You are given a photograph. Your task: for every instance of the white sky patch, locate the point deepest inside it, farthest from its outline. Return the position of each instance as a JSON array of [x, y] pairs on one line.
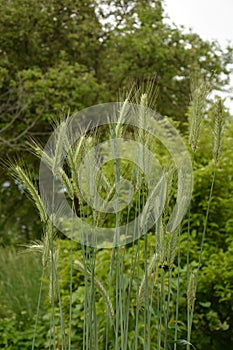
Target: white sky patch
[[212, 20]]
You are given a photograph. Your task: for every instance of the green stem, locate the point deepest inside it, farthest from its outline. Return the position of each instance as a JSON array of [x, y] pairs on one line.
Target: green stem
[[177, 294], [190, 318]]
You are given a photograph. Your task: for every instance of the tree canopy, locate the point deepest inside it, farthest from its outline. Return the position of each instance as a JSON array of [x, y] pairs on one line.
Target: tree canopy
[[74, 54]]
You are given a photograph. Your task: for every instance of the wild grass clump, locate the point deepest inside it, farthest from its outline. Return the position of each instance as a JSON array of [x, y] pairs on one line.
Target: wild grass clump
[[19, 283], [134, 303]]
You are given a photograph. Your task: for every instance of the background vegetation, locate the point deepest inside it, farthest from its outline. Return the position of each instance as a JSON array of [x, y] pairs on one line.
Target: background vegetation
[[60, 55]]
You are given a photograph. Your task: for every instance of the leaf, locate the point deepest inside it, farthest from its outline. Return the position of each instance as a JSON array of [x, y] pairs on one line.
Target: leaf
[[205, 304], [183, 342]]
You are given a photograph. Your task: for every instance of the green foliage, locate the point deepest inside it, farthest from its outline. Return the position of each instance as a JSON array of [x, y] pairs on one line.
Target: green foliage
[[20, 275], [69, 53], [15, 335], [57, 53], [213, 311]]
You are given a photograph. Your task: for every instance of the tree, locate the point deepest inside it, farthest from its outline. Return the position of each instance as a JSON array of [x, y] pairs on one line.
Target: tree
[[74, 53], [145, 45]]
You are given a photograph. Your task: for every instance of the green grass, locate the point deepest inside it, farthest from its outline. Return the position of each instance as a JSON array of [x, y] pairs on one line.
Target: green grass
[[133, 297], [19, 283]]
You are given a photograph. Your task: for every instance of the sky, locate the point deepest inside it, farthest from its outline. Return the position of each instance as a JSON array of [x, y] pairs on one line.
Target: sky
[[211, 19]]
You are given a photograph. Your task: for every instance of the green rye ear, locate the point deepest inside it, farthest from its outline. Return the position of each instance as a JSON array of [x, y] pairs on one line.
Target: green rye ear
[[23, 175]]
